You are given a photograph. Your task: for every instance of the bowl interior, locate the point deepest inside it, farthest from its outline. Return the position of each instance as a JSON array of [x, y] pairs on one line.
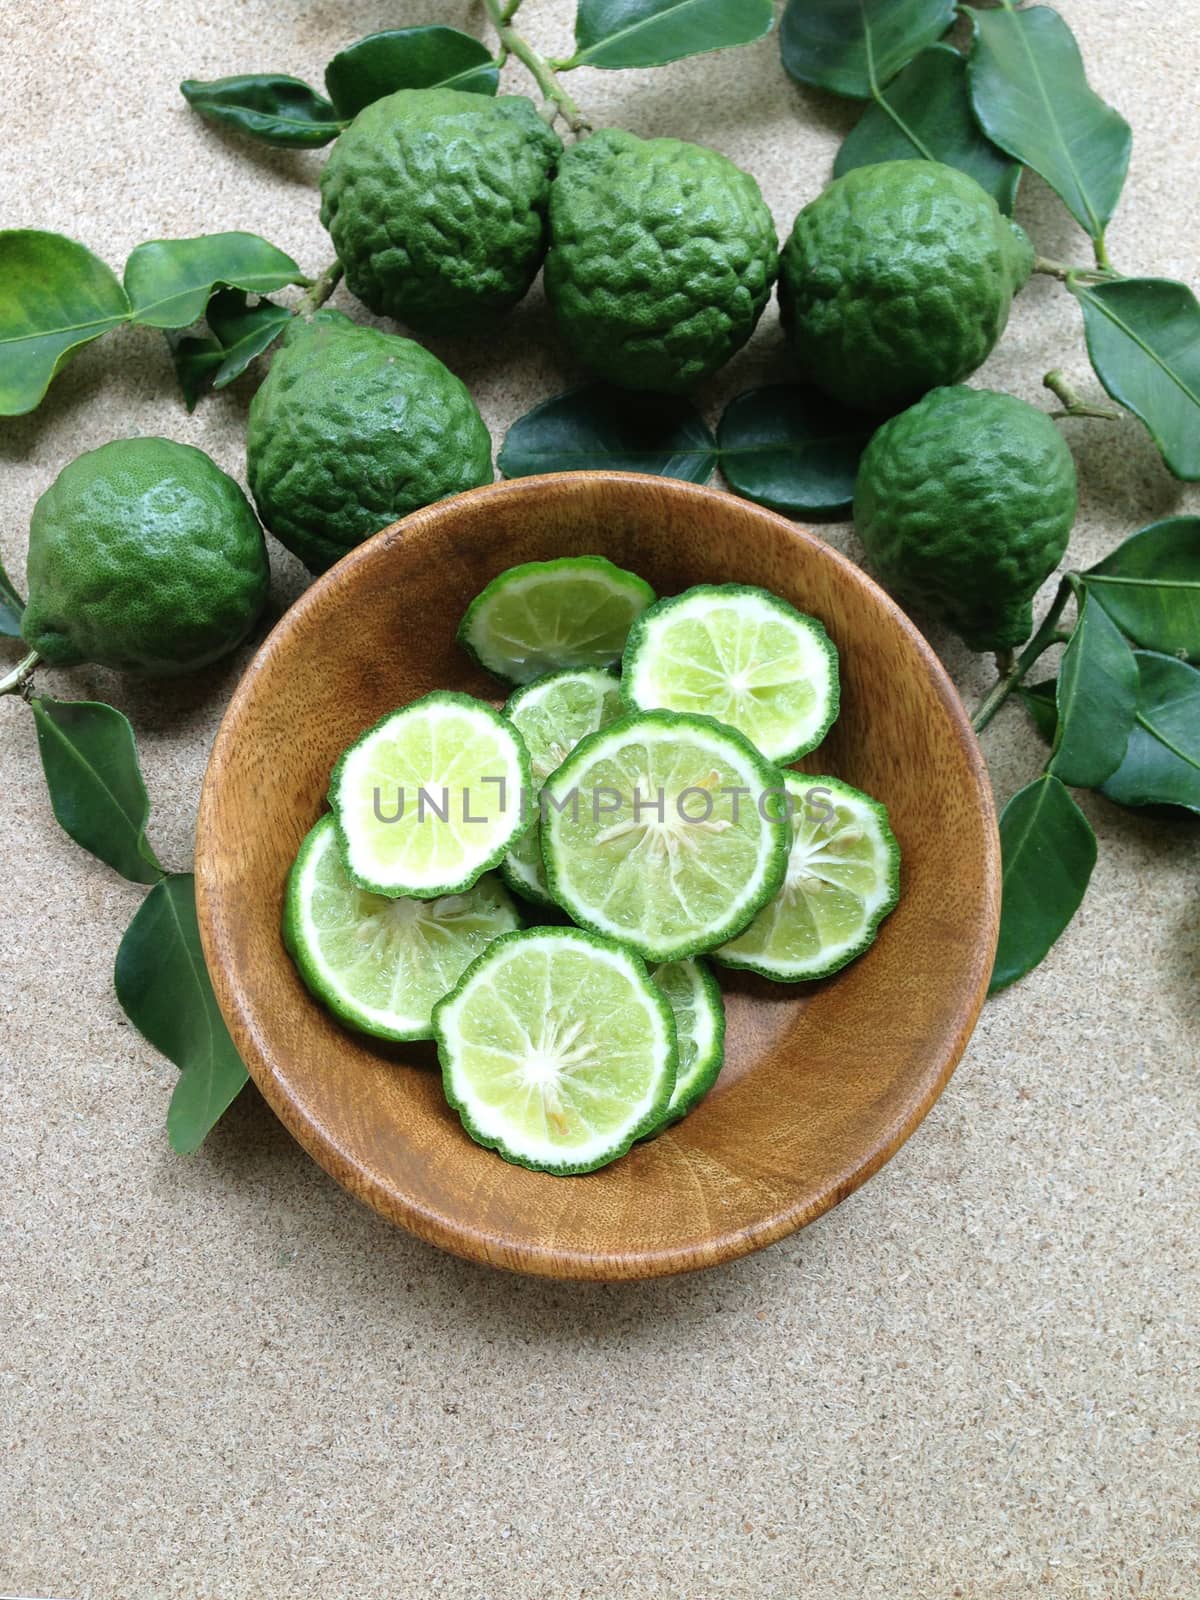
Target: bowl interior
[[822, 1082]]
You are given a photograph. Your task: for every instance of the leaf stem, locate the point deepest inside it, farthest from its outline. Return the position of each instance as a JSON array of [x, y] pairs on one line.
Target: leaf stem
[[324, 286], [15, 681], [1074, 405], [543, 74], [1047, 634]]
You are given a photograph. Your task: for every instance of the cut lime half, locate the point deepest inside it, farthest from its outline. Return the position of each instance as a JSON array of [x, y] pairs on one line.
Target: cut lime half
[[549, 615], [741, 655], [557, 1050], [552, 715], [664, 831], [382, 964], [843, 878], [700, 1027], [430, 797]]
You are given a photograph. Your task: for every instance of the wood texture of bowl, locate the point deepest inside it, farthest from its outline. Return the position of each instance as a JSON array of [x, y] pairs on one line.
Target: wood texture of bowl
[[822, 1082]]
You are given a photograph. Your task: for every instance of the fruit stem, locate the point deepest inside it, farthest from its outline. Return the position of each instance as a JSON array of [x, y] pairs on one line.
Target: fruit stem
[[1047, 634], [540, 69], [20, 675], [1074, 405], [316, 296]]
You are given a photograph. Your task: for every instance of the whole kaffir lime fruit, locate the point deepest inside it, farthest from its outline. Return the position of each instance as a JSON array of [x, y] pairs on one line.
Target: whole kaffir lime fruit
[[352, 429], [143, 556], [965, 504], [897, 279], [662, 255], [436, 203]]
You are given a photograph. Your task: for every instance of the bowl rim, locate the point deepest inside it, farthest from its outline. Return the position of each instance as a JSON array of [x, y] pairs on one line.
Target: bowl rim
[[472, 1241]]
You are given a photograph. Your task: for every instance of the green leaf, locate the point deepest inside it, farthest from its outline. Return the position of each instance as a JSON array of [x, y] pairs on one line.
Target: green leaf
[[927, 112], [1143, 335], [1097, 694], [1150, 586], [269, 106], [792, 449], [169, 281], [243, 331], [648, 33], [197, 359], [856, 46], [1162, 764], [1031, 96], [600, 428], [408, 58], [96, 790], [55, 296], [164, 988], [1048, 851], [12, 608], [1041, 702]]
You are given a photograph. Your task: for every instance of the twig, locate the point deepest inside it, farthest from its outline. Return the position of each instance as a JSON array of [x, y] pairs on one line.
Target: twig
[[316, 296], [1047, 634], [16, 680], [1074, 405], [543, 73]]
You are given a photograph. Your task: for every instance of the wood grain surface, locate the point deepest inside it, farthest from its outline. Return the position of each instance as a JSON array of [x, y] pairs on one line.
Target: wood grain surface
[[822, 1082]]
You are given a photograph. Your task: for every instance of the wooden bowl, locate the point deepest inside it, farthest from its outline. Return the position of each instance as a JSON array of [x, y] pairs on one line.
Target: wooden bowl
[[822, 1081]]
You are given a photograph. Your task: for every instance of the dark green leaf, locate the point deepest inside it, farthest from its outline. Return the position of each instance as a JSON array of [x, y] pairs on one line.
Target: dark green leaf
[[1041, 702], [1097, 693], [55, 296], [197, 360], [96, 789], [408, 58], [610, 430], [269, 106], [792, 449], [164, 988], [12, 608], [1143, 335], [169, 281], [1162, 764], [928, 113], [647, 33], [1031, 96], [1150, 586], [1048, 851], [855, 46], [243, 331]]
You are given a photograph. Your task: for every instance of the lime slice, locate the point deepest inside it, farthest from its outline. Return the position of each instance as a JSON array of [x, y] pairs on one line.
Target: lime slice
[[843, 878], [700, 1027], [552, 715], [741, 655], [557, 1050], [545, 615], [382, 964], [430, 797], [660, 831]]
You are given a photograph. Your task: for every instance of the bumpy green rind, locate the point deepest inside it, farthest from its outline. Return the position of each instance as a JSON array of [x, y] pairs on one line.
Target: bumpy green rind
[[649, 1122], [707, 1068], [965, 504], [436, 203], [640, 638], [896, 279], [353, 429], [435, 697], [662, 255], [143, 556], [309, 966]]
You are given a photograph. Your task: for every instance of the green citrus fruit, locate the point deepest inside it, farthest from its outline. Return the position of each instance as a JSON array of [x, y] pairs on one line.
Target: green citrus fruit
[[436, 204], [351, 430], [144, 556], [965, 504], [662, 255], [898, 278]]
